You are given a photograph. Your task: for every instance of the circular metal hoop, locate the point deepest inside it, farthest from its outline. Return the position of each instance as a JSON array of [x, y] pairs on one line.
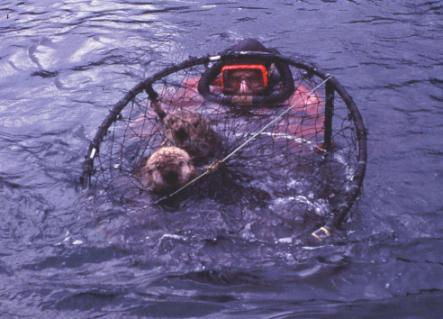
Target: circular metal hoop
[[332, 88]]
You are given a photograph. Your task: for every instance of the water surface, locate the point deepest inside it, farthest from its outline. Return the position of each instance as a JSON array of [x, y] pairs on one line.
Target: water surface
[[64, 254]]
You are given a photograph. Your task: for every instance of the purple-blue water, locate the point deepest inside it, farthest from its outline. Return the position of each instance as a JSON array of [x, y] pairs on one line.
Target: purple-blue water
[[63, 255]]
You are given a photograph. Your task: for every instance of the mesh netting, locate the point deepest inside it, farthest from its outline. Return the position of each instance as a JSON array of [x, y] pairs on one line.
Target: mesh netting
[[307, 151]]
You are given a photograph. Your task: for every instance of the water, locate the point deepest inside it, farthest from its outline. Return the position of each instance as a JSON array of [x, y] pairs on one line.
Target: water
[[65, 255]]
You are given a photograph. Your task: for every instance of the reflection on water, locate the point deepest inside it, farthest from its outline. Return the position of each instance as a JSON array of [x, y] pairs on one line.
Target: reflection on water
[[64, 252]]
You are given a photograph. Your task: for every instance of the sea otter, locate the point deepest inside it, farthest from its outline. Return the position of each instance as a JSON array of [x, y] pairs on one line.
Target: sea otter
[[167, 169], [192, 132]]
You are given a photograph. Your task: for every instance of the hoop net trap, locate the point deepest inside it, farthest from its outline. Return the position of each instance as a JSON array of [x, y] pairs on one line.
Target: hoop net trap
[[304, 145]]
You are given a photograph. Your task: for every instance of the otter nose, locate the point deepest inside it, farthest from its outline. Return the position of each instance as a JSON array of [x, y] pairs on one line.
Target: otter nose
[[171, 177], [181, 135]]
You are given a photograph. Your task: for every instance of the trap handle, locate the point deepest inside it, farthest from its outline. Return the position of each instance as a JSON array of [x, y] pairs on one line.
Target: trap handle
[[329, 113]]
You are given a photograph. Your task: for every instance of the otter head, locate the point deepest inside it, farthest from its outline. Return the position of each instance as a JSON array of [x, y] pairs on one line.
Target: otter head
[[192, 132], [168, 168]]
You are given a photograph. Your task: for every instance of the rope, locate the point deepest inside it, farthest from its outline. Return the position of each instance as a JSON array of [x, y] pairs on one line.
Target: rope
[[217, 163]]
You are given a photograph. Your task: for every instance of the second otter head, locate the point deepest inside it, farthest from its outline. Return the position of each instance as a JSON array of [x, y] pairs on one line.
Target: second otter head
[[192, 132]]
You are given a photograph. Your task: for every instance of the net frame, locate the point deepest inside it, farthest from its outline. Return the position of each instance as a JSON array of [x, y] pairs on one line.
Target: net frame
[[332, 88]]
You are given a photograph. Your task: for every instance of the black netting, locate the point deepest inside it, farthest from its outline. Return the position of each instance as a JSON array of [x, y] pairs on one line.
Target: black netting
[[306, 153]]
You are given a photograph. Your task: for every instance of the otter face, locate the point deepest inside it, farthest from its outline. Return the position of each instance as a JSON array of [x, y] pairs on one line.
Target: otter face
[[168, 168], [192, 132]]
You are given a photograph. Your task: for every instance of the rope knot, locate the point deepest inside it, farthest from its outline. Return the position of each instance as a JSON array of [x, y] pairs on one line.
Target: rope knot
[[211, 168]]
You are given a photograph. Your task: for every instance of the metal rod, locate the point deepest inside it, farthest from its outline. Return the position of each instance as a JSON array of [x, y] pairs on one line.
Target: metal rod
[[329, 113], [151, 92]]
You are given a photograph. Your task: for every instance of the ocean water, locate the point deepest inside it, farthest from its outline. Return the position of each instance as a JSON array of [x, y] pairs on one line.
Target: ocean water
[[65, 255]]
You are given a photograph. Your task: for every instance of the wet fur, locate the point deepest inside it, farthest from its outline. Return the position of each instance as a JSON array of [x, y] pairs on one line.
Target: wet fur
[[191, 132], [167, 169]]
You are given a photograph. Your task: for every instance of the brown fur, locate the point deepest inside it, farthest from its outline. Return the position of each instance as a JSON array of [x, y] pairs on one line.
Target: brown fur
[[168, 168], [192, 132]]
